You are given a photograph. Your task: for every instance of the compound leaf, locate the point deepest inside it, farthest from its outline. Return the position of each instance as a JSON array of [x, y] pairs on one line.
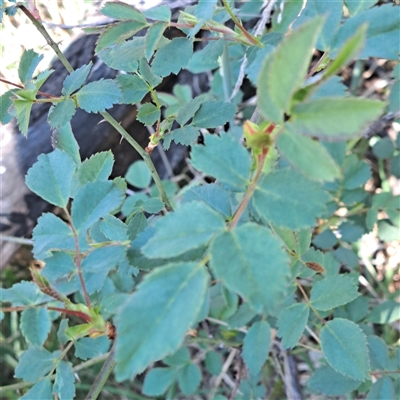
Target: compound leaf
[[256, 346], [64, 139], [286, 198], [172, 57], [189, 378], [334, 118], [223, 158], [189, 227], [154, 321], [51, 177], [133, 88], [213, 113], [333, 291], [98, 96], [159, 13], [76, 79], [35, 325], [255, 266], [291, 323], [344, 346]]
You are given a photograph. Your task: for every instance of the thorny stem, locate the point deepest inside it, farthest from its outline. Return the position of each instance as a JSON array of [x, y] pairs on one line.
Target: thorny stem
[[102, 377], [238, 23], [146, 158], [78, 259], [39, 26]]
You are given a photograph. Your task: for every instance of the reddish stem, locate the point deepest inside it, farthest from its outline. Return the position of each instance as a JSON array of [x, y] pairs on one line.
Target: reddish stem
[[21, 87]]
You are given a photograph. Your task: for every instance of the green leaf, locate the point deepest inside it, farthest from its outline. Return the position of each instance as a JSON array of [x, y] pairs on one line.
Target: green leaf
[[334, 118], [41, 390], [138, 175], [382, 32], [329, 382], [98, 96], [5, 104], [333, 291], [114, 229], [256, 346], [35, 325], [384, 313], [213, 113], [382, 389], [64, 140], [168, 296], [190, 227], [207, 58], [186, 136], [286, 198], [23, 294], [29, 61], [93, 201], [125, 56], [189, 378], [153, 36], [87, 348], [189, 109], [231, 166], [157, 381], [212, 194], [179, 358], [290, 60], [133, 88], [356, 6], [213, 362], [76, 79], [22, 112], [51, 177], [118, 32], [64, 383], [291, 324], [347, 52], [159, 13], [355, 172], [97, 168], [61, 113], [153, 205], [34, 356], [147, 74], [255, 266], [119, 10], [172, 57], [344, 346], [378, 353], [383, 148], [299, 151], [148, 114]]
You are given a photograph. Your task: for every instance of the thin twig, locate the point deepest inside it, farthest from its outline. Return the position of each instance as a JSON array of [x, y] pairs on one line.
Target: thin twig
[[265, 16], [225, 368], [102, 377], [21, 87], [14, 239]]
